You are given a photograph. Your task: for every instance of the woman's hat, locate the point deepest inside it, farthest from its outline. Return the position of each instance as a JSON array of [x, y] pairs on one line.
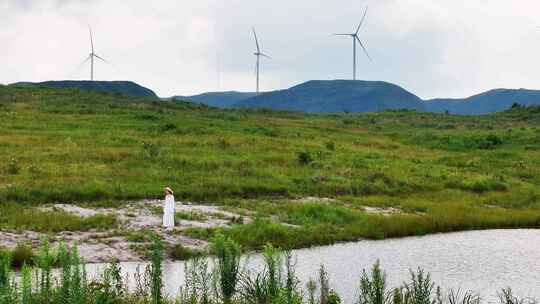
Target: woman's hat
[[169, 190]]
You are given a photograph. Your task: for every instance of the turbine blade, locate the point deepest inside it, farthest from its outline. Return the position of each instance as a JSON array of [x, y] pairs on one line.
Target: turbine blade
[[91, 38], [364, 48], [264, 55], [256, 40], [341, 34], [85, 61], [361, 21], [95, 55]]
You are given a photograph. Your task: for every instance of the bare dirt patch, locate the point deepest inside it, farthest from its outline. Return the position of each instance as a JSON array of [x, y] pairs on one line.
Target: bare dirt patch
[[134, 218]]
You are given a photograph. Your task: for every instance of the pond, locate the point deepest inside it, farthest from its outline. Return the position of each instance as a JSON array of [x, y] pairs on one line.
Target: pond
[[481, 261]]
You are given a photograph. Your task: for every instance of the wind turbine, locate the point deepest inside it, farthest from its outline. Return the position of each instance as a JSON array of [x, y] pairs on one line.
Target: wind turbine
[[355, 38], [258, 54], [92, 55]]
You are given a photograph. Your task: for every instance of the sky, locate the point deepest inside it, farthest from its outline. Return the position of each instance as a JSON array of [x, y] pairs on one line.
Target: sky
[[433, 48]]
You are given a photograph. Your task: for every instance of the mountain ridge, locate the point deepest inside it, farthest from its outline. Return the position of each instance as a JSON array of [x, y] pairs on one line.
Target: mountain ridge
[[318, 96], [129, 88], [223, 99], [378, 96]]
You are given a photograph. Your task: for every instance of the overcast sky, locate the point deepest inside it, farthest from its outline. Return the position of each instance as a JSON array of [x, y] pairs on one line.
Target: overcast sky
[[434, 48]]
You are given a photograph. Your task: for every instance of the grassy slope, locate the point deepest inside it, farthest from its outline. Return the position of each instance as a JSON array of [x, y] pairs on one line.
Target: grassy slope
[[448, 172]]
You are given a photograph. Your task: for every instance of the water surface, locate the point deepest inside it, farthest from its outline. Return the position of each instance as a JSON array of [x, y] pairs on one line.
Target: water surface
[[481, 261]]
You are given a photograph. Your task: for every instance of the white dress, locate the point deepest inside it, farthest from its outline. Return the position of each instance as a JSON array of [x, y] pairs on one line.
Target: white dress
[[168, 211]]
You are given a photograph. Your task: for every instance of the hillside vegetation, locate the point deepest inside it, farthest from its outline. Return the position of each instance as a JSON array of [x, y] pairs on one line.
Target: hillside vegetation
[[128, 88], [438, 172]]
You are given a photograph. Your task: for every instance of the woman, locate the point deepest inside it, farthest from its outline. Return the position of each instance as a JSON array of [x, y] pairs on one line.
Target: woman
[[168, 209]]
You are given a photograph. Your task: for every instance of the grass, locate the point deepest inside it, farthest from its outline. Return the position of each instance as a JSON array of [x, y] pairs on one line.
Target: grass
[[16, 217], [446, 172], [192, 215]]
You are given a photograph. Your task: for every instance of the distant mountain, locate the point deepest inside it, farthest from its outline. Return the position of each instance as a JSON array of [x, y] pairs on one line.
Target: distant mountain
[[220, 99], [488, 102], [337, 96], [121, 87]]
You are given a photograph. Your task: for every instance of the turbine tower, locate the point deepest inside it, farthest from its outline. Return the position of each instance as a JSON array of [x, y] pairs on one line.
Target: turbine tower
[[355, 38], [92, 55], [258, 54]]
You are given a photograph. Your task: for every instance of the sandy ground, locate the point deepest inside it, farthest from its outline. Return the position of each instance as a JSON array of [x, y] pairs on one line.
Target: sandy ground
[[102, 246]]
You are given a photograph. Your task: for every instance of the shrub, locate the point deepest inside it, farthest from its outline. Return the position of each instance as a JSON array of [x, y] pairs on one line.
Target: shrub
[[304, 158], [21, 255], [330, 145], [155, 271], [223, 143], [151, 150], [373, 287], [179, 252], [227, 254], [13, 167], [333, 298], [168, 127]]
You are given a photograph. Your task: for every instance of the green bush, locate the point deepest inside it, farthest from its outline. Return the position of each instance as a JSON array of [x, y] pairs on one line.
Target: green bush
[[13, 166], [179, 252], [304, 158], [22, 254]]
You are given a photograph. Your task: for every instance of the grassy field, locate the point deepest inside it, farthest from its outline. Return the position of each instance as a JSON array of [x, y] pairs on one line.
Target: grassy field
[[443, 172]]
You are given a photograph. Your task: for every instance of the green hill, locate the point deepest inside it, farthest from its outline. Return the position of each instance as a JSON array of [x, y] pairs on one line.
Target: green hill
[[327, 96], [220, 99], [317, 173], [488, 102], [128, 88]]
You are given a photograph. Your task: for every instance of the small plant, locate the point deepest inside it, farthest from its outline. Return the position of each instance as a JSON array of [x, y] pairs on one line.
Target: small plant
[[420, 290], [156, 271], [168, 127], [228, 265], [151, 150], [506, 296], [330, 146], [21, 255], [13, 166], [455, 297], [324, 286], [373, 287], [304, 158], [333, 298], [179, 252], [34, 169], [311, 286], [223, 143]]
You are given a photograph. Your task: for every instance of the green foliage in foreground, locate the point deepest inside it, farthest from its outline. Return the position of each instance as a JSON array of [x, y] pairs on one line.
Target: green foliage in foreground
[[444, 172], [225, 282]]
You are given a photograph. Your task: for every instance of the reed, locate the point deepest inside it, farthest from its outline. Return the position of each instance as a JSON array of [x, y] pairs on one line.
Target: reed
[[217, 280]]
